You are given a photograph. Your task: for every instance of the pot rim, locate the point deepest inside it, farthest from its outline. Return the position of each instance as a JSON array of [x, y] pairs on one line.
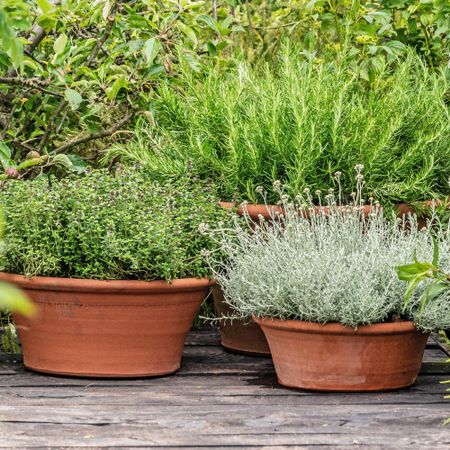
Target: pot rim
[[406, 326], [106, 286], [267, 210]]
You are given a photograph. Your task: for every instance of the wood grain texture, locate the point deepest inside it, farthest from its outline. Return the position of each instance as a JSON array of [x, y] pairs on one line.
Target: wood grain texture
[[217, 400]]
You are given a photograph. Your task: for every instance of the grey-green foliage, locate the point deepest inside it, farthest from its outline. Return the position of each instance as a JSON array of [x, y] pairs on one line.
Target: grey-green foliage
[[332, 267], [107, 227], [299, 121]]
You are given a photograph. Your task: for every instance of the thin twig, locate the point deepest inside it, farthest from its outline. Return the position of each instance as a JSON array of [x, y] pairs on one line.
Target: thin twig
[[101, 41], [93, 136], [34, 83]]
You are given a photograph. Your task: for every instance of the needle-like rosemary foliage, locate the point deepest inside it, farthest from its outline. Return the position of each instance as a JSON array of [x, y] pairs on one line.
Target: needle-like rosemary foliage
[[300, 121]]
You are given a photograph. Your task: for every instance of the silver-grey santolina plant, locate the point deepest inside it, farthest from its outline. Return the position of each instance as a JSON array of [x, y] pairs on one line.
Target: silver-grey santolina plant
[[330, 265]]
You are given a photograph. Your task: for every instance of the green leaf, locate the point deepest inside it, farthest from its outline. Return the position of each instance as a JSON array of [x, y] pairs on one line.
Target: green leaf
[[11, 44], [411, 288], [210, 22], [74, 98], [212, 49], [60, 44], [150, 50], [431, 292], [13, 299], [119, 83], [193, 62], [5, 156], [78, 164], [188, 31], [408, 271], [44, 5]]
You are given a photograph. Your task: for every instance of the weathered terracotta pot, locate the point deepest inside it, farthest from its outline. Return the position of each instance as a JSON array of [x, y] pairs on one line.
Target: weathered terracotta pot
[[269, 211], [333, 357], [98, 328], [247, 337], [237, 335], [404, 209]]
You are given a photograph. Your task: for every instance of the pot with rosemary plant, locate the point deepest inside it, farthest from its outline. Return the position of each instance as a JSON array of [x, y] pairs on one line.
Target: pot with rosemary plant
[[300, 120], [324, 289], [114, 265]]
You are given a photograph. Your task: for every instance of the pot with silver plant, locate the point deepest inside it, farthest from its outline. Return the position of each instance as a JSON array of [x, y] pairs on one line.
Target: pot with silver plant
[[325, 291]]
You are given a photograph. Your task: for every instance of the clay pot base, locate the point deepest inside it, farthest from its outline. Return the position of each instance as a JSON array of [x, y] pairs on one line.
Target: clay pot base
[[97, 376], [336, 358], [107, 329], [244, 338], [238, 336]]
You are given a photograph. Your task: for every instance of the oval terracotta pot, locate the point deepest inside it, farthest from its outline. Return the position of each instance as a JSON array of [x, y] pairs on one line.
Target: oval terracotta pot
[[99, 328], [238, 336], [333, 357]]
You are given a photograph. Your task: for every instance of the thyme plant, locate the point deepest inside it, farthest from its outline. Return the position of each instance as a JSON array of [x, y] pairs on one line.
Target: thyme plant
[[329, 265], [299, 121], [103, 226]]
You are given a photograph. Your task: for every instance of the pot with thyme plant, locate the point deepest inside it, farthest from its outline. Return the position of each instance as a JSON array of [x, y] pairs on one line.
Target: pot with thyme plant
[[324, 289], [114, 265]]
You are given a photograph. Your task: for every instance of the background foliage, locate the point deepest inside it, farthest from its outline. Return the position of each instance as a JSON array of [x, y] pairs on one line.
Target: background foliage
[[75, 74]]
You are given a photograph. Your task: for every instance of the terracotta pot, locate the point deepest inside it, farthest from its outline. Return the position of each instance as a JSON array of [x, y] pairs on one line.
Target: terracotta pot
[[268, 211], [333, 357], [107, 328], [237, 335], [404, 209]]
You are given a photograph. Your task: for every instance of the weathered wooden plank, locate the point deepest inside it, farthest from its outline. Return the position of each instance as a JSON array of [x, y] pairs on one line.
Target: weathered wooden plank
[[131, 397], [281, 425], [246, 384], [204, 336]]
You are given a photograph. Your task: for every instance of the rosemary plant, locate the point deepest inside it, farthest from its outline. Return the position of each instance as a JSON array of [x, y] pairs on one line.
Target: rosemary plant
[[299, 121], [330, 265]]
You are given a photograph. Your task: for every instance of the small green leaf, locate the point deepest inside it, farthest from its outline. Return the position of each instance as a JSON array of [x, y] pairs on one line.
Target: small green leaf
[[5, 156], [74, 98], [150, 50], [119, 83], [78, 164], [44, 5], [411, 288], [431, 292], [60, 44], [210, 22], [188, 31]]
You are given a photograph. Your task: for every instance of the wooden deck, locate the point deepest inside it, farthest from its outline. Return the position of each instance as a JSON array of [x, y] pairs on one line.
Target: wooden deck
[[217, 400]]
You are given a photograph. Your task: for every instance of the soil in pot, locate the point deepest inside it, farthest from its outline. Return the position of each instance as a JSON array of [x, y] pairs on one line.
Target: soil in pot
[[333, 357], [107, 328], [237, 335]]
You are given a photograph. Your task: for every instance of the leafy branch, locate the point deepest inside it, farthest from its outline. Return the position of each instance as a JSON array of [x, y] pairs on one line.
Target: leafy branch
[[417, 272]]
